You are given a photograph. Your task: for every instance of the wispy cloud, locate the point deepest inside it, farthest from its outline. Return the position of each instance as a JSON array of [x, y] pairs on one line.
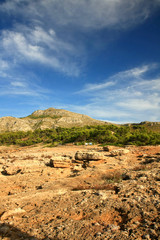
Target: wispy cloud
[[51, 34], [3, 65], [135, 99], [18, 84], [48, 31], [19, 89], [13, 83], [93, 14], [123, 78], [98, 86], [141, 104], [38, 45]]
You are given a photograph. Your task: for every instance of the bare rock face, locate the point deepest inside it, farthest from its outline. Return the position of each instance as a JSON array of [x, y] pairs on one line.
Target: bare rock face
[[88, 156]]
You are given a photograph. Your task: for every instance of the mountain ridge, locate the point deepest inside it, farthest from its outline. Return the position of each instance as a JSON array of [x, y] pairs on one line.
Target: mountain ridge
[[47, 119], [52, 118]]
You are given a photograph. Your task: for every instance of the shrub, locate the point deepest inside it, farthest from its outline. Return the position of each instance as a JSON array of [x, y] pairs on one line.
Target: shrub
[[105, 134]]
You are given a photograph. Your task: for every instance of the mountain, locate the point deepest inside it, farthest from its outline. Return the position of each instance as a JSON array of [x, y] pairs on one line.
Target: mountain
[[53, 118], [47, 119]]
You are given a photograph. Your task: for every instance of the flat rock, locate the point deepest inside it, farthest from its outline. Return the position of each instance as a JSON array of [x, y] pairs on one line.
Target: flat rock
[[88, 156], [119, 152], [60, 162]]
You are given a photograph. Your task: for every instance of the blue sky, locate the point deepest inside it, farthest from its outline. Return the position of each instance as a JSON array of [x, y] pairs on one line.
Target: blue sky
[[96, 57]]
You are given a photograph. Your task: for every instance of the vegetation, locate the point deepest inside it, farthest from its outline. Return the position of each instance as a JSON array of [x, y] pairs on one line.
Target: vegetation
[[104, 134]]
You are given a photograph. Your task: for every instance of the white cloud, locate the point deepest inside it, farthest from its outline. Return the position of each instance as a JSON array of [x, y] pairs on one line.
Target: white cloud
[[20, 90], [48, 36], [123, 78], [15, 83], [135, 99], [3, 65], [153, 84], [48, 30], [140, 104], [39, 46], [136, 74], [43, 38], [18, 84], [94, 87], [93, 14]]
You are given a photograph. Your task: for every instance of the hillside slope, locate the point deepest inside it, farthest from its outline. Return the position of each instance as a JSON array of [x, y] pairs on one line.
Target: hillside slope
[[46, 119]]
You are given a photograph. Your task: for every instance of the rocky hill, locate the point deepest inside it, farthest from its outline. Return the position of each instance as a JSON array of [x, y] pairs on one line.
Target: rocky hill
[[46, 119], [53, 118]]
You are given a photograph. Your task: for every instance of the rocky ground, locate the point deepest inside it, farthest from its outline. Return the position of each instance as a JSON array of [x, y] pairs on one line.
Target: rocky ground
[[79, 192]]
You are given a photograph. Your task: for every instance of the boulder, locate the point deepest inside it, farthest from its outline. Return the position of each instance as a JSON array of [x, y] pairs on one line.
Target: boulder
[[108, 148], [119, 152], [88, 156], [60, 162]]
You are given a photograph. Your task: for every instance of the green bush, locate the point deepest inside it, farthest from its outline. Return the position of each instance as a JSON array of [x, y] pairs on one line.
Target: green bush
[[105, 134]]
